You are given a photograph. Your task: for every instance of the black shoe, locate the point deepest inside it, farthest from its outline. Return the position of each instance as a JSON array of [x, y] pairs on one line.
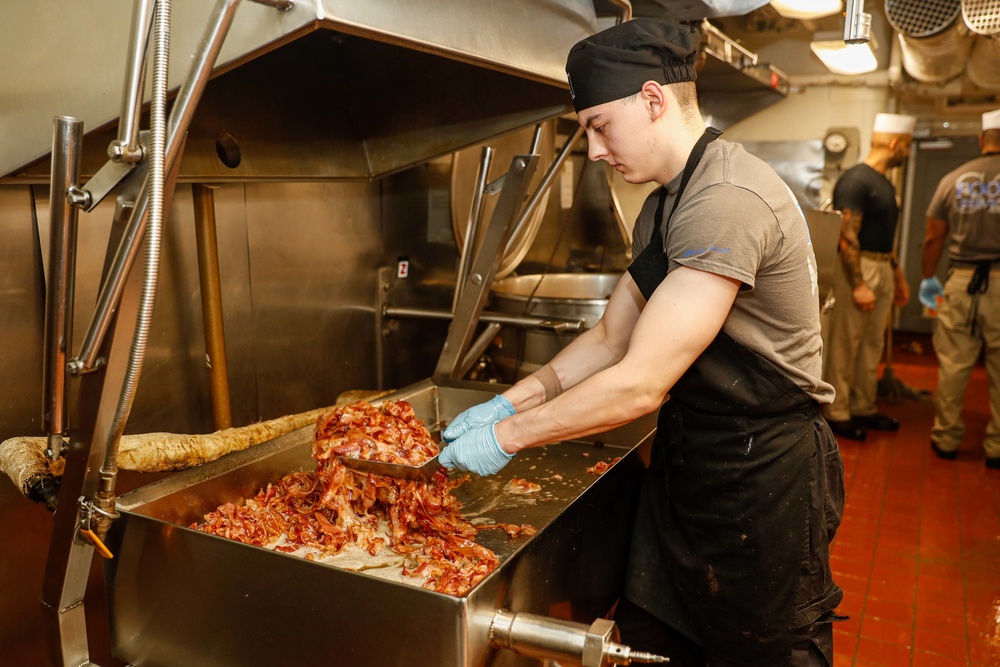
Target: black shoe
[[848, 429], [993, 462], [949, 455], [877, 422]]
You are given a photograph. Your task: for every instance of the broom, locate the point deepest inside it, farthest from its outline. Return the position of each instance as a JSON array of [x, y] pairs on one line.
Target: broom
[[890, 388]]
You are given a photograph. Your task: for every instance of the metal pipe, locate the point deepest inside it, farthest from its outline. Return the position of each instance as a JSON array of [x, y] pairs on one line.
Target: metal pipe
[[478, 347], [156, 180], [180, 119], [472, 227], [525, 321], [126, 147], [66, 140], [536, 139], [857, 24], [546, 638], [543, 187], [211, 304]]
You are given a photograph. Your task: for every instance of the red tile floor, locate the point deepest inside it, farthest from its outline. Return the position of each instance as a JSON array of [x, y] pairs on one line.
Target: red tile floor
[[918, 553]]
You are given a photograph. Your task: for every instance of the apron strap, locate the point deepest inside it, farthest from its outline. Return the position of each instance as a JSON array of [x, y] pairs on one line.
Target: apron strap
[[708, 136], [650, 268]]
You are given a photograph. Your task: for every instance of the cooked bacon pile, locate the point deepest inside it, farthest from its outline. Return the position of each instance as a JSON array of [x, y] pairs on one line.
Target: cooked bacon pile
[[334, 506]]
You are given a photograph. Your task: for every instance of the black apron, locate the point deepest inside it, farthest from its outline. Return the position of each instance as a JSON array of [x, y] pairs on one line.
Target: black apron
[[742, 496]]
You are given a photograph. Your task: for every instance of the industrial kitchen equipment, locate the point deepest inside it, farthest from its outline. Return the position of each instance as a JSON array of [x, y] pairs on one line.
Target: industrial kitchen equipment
[[179, 596]]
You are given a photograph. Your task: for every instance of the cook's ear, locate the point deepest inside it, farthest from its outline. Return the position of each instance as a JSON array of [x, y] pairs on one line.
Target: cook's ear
[[654, 98]]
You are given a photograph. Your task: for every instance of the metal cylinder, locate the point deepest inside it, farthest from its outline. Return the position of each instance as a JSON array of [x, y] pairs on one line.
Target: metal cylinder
[[211, 304], [982, 16], [126, 148], [541, 637], [935, 44], [66, 141], [982, 67]]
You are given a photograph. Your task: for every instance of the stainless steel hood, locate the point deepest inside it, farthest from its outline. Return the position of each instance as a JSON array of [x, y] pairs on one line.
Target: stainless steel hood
[[358, 88]]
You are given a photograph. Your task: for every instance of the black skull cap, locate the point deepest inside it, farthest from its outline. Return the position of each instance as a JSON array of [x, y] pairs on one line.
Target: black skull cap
[[616, 62]]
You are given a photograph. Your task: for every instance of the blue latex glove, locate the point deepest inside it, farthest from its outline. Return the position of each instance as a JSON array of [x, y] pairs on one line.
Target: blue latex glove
[[477, 451], [484, 414], [930, 292]]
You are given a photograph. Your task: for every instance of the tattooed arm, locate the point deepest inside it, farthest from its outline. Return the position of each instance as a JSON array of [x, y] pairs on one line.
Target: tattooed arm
[[850, 255]]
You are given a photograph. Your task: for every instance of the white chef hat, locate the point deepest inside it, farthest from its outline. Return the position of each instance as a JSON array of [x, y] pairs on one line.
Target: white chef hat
[[894, 123], [991, 120]]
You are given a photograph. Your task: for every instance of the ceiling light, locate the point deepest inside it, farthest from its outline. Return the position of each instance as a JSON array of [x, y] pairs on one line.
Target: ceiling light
[[841, 57], [806, 9]]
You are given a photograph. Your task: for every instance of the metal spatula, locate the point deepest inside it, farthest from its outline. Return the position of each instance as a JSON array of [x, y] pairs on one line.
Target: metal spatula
[[421, 473]]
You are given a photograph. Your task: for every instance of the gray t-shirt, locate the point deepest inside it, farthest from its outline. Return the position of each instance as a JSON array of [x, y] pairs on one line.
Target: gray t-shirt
[[969, 199], [738, 219]]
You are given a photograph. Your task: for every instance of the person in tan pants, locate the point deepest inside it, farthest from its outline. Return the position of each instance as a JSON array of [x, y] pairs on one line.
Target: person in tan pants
[[965, 213], [867, 280]]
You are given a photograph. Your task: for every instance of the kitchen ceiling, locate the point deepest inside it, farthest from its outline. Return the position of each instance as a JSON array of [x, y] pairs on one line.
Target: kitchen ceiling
[[784, 44]]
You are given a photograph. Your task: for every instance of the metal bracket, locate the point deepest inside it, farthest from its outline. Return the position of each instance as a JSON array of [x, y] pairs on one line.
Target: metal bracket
[[496, 185], [103, 182], [484, 266]]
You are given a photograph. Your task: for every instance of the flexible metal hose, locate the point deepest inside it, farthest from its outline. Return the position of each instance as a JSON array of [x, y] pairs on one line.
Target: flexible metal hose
[[154, 233]]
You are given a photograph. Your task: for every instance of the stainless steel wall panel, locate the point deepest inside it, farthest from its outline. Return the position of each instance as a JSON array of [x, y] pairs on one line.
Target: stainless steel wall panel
[[417, 224], [175, 354], [314, 254], [22, 315]]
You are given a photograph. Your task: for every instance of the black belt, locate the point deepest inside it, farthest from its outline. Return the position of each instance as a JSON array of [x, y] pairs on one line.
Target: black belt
[[877, 255]]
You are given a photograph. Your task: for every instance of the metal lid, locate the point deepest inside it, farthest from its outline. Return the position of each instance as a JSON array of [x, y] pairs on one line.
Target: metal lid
[[921, 18], [982, 16]]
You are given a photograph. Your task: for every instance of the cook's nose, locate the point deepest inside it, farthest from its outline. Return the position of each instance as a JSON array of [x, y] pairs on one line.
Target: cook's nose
[[595, 151]]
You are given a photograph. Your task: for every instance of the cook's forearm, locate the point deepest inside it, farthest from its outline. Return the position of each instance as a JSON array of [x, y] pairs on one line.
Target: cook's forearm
[[850, 246], [585, 356], [593, 351], [606, 400], [933, 246], [681, 319]]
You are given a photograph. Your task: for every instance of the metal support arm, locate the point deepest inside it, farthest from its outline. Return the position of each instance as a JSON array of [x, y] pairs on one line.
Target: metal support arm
[[484, 266]]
